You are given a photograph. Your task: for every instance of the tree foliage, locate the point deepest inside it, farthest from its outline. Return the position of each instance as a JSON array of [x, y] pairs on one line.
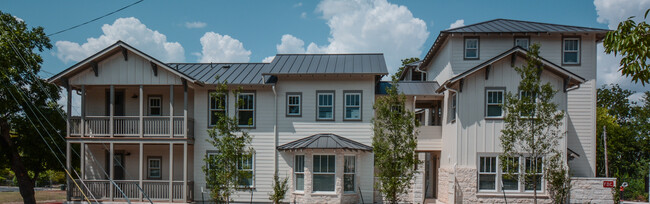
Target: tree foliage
[[280, 189], [532, 123], [222, 170], [405, 61], [394, 142], [632, 41]]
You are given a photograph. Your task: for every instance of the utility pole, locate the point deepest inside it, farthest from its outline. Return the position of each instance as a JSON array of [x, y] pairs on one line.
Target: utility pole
[[605, 144]]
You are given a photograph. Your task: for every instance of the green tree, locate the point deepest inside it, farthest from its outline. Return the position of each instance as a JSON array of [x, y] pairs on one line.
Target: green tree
[[394, 142], [223, 170], [280, 189], [23, 96], [405, 61], [532, 124], [632, 41]]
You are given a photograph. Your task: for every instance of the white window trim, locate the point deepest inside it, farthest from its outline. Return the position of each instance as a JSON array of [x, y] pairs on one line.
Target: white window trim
[[453, 106], [318, 106], [522, 38], [295, 173], [210, 109], [149, 168], [313, 173], [496, 173], [251, 110], [466, 48], [487, 102], [299, 104], [252, 170], [354, 174], [346, 106], [539, 174], [576, 51], [159, 106]]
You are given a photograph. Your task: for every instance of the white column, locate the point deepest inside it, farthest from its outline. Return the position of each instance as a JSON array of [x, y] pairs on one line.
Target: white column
[[68, 107], [112, 113], [82, 158], [111, 170], [68, 156], [68, 163], [171, 111], [185, 163], [140, 169], [141, 112], [83, 111], [171, 172]]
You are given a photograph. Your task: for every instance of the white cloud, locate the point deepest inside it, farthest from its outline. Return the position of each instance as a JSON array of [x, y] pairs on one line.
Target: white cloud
[[299, 4], [19, 19], [458, 23], [222, 48], [268, 59], [303, 15], [196, 24], [366, 26], [129, 30]]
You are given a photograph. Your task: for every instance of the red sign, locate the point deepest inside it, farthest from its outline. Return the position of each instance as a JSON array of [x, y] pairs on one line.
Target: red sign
[[608, 184]]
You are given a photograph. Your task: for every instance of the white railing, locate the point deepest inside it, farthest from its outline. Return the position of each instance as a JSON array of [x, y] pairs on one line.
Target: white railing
[[129, 126], [155, 190]]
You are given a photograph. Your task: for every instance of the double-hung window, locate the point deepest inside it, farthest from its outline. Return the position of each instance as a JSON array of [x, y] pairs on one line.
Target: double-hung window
[[471, 48], [522, 42], [325, 109], [348, 173], [217, 107], [452, 107], [534, 167], [246, 109], [487, 174], [511, 183], [299, 171], [571, 51], [529, 100], [294, 102], [154, 167], [155, 105], [352, 106], [494, 103], [324, 175], [245, 167]]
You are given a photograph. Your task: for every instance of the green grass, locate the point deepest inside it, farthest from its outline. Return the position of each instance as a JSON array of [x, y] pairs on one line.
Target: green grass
[[41, 196]]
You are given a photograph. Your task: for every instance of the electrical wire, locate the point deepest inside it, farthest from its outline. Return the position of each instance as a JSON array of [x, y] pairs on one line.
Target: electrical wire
[[90, 21]]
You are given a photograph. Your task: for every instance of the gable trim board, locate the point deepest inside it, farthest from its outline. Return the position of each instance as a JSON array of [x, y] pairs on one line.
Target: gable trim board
[[573, 79]]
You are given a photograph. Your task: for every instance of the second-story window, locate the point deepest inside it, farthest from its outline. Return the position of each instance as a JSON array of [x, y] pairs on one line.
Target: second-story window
[[471, 48], [155, 105], [325, 109], [246, 109], [494, 103], [352, 106], [571, 51], [217, 107], [522, 42], [293, 104], [452, 107]]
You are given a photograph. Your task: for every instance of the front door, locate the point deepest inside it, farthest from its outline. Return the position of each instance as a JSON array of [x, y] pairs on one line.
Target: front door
[[431, 165], [118, 165], [119, 103]]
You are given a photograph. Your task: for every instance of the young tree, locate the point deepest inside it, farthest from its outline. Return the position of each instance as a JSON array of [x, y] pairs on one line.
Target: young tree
[[280, 189], [223, 170], [632, 41], [394, 143], [405, 61], [532, 125], [23, 96]]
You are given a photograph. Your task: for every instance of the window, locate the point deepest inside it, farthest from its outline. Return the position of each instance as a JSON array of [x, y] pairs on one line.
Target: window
[[529, 101], [571, 51], [299, 171], [245, 166], [325, 106], [452, 107], [154, 167], [324, 173], [348, 174], [471, 48], [511, 183], [494, 103], [155, 105], [522, 42], [352, 106], [217, 107], [534, 166], [293, 104], [246, 109], [487, 173], [211, 156]]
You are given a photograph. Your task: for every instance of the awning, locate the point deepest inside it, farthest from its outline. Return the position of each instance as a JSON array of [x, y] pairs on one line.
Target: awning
[[324, 141]]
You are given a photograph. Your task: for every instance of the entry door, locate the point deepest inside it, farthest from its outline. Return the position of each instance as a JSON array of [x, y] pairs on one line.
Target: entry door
[[430, 177], [119, 103], [118, 165]]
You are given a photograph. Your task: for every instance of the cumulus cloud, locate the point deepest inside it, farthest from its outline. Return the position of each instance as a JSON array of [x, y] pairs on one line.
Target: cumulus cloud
[[268, 59], [458, 23], [19, 19], [196, 24], [129, 30], [366, 26], [612, 12], [222, 48], [299, 4], [303, 15]]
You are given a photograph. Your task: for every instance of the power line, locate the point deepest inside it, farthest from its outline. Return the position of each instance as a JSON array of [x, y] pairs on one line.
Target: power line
[[90, 21]]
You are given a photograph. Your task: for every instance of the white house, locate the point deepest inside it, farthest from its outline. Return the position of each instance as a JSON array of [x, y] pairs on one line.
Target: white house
[[143, 123]]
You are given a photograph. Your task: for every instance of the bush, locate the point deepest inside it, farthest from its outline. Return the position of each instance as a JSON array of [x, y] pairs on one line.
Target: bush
[[280, 188]]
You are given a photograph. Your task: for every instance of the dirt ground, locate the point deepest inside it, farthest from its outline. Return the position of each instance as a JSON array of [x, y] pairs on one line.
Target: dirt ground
[[41, 197]]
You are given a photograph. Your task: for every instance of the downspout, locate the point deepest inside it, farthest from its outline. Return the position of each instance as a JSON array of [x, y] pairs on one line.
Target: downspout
[[275, 132]]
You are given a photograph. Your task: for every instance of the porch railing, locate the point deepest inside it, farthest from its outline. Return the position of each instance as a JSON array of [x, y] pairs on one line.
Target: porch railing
[[155, 190], [129, 126]]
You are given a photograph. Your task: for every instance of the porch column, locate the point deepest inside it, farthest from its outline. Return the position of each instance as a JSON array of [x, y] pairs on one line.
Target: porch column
[[112, 113], [141, 131], [82, 158], [171, 111], [171, 172], [68, 107], [110, 163], [83, 111], [141, 161], [185, 132], [68, 157], [68, 163], [185, 161]]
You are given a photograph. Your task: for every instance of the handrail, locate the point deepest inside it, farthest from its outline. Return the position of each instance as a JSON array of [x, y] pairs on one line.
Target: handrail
[[130, 116]]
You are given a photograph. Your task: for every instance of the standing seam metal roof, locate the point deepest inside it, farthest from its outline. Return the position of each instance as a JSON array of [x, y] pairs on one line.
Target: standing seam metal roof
[[236, 73], [518, 26], [373, 63], [325, 141]]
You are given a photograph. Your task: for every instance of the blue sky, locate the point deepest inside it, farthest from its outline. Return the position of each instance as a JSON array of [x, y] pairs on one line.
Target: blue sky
[[240, 31]]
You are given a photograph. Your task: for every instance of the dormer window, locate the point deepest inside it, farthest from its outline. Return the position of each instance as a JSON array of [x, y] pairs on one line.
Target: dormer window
[[522, 42], [471, 48]]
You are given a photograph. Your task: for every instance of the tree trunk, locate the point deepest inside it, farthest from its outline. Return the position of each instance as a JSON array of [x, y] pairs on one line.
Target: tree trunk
[[24, 182]]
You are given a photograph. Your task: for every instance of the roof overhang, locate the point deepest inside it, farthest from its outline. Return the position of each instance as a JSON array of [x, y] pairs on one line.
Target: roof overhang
[[117, 47], [570, 78], [324, 141]]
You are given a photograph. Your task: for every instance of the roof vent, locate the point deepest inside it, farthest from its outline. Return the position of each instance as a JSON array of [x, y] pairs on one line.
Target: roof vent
[[225, 66]]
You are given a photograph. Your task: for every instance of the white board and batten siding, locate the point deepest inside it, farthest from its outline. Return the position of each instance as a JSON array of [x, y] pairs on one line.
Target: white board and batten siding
[[134, 71]]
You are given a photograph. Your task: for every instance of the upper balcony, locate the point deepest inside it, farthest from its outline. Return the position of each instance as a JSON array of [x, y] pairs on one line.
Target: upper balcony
[[429, 114]]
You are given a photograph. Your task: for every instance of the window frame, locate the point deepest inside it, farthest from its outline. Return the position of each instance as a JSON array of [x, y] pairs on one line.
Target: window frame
[[521, 92], [149, 97], [253, 110], [478, 48], [527, 38], [333, 93], [353, 173], [495, 173], [345, 105], [294, 94], [518, 176], [149, 159], [487, 104], [541, 174], [453, 106], [210, 109], [252, 170], [578, 51], [296, 172], [313, 172]]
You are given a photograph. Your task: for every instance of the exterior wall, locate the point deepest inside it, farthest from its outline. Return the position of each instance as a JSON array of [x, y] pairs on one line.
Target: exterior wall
[[96, 100]]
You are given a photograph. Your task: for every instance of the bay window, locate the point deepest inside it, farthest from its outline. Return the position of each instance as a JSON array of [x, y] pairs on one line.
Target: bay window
[[299, 171], [324, 173], [349, 170]]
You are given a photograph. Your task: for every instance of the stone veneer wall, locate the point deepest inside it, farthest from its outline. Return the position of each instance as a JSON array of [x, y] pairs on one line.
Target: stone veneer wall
[[590, 190]]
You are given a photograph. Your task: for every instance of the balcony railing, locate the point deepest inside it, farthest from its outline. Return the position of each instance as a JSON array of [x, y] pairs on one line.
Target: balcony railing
[[154, 190], [129, 126]]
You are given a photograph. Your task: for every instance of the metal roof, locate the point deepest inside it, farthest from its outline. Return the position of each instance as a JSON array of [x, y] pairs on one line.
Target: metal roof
[[373, 63], [325, 141], [233, 73], [411, 88], [518, 26]]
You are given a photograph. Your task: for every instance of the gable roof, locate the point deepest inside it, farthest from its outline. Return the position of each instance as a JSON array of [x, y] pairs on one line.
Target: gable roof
[[509, 26], [411, 88], [517, 51], [233, 73], [325, 141], [107, 52], [371, 64]]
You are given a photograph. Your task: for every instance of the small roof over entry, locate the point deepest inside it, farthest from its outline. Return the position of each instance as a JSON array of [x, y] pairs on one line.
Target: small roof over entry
[[324, 141]]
